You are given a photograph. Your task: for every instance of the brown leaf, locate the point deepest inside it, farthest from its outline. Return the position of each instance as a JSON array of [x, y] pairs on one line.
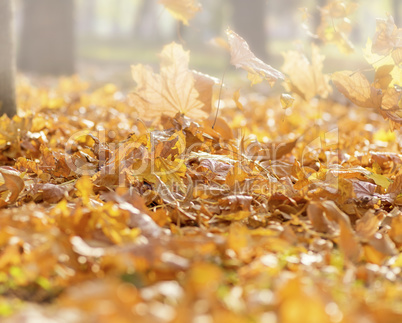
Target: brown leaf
[[243, 57], [368, 225], [53, 193], [396, 185], [364, 190], [319, 220], [12, 183], [348, 243]]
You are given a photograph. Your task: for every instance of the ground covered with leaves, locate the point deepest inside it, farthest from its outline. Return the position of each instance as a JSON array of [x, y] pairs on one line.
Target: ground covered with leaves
[[145, 208]]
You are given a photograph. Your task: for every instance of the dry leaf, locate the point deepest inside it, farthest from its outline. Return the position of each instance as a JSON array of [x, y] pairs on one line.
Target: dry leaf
[[171, 91], [12, 183], [183, 10], [242, 57], [204, 84], [387, 36], [357, 89], [304, 78], [286, 100]]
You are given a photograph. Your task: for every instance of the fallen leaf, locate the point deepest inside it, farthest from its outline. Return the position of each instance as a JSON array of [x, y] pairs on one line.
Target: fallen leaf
[[12, 182]]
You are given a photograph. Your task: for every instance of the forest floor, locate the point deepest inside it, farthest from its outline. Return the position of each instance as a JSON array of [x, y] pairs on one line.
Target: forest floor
[[122, 208]]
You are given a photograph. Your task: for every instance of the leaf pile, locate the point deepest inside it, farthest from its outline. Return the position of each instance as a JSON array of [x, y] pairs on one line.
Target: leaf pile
[[122, 209]]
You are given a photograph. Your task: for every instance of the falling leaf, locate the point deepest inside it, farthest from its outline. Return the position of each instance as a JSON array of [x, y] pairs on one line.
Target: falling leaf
[[357, 89], [171, 91], [242, 57], [304, 78], [286, 100], [183, 10], [387, 36]]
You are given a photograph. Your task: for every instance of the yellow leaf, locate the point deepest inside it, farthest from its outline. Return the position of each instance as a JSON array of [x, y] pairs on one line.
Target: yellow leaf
[[286, 100], [237, 216], [357, 89], [379, 179], [170, 92], [306, 79], [182, 10], [84, 186]]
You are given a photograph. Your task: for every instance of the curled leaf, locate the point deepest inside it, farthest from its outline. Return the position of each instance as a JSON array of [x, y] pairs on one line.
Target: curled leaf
[[243, 57], [286, 100], [12, 183]]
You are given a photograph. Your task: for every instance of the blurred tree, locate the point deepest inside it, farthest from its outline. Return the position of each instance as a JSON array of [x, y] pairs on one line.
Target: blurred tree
[[249, 22], [395, 8], [87, 16], [145, 26], [7, 65], [47, 38]]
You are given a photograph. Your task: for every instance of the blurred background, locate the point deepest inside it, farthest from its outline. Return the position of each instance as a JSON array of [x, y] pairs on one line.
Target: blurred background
[[100, 39]]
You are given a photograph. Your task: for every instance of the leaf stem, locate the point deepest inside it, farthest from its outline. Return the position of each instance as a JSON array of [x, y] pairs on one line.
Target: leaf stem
[[219, 96]]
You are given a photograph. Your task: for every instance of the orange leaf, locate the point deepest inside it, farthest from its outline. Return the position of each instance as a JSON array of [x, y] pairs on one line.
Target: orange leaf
[[357, 89], [182, 10], [243, 57]]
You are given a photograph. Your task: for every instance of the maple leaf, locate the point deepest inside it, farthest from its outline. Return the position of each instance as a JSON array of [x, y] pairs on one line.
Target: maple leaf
[[357, 89], [204, 84], [171, 91], [306, 79], [243, 57], [387, 36], [182, 10]]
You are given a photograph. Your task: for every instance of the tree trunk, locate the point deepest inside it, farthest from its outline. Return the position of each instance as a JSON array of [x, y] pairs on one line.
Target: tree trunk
[[7, 65], [249, 22], [47, 38], [397, 17]]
